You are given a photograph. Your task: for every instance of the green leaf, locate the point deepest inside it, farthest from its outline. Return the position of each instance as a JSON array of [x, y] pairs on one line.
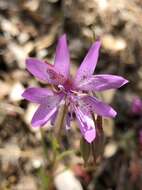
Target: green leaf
[[44, 179], [85, 149]]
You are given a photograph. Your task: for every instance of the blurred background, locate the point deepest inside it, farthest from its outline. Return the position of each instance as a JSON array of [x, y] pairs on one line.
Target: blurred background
[[31, 28]]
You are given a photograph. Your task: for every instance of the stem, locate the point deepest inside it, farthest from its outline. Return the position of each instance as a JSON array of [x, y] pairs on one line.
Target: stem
[[43, 173], [47, 176], [43, 142], [60, 122]]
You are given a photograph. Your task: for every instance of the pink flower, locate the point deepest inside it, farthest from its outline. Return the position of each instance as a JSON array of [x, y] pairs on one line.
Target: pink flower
[[73, 91], [137, 105]]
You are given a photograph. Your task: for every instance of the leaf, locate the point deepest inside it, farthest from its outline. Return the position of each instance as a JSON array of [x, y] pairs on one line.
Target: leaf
[[85, 149], [98, 143], [44, 178]]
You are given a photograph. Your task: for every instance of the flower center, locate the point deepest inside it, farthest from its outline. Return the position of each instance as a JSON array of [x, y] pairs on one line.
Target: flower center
[[68, 85]]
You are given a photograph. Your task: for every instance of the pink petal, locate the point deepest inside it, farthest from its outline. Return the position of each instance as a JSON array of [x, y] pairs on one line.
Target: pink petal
[[42, 115], [46, 110], [102, 82], [44, 71], [89, 63], [92, 104], [36, 95], [86, 124], [38, 68], [136, 105], [54, 117], [62, 60]]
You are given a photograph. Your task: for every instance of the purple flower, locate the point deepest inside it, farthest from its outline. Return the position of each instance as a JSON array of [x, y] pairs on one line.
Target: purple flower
[[73, 91], [136, 106]]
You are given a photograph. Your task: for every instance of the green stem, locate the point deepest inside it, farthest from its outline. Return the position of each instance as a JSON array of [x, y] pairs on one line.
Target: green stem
[[43, 174], [43, 142], [47, 176], [59, 123]]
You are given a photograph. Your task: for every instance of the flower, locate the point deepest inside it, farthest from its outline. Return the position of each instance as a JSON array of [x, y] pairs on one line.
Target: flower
[[136, 106], [73, 91]]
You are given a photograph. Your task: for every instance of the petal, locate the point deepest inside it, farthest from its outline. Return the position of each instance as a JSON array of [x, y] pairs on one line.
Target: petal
[[89, 63], [86, 124], [92, 104], [36, 95], [54, 117], [62, 60], [102, 82], [44, 71], [136, 106], [42, 115], [46, 110], [37, 68]]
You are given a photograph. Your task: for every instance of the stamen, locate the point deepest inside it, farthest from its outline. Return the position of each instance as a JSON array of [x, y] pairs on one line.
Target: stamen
[[58, 89]]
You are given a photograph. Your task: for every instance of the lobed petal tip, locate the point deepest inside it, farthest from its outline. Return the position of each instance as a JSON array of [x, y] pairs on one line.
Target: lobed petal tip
[[29, 59], [113, 113], [63, 37], [98, 43], [23, 94], [35, 124], [125, 81]]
